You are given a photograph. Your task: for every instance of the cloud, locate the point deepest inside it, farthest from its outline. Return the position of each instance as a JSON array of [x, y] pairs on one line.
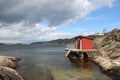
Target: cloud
[[18, 33], [21, 20], [54, 11]]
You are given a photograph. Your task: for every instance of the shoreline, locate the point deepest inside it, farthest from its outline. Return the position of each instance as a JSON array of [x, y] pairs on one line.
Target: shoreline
[[107, 66]]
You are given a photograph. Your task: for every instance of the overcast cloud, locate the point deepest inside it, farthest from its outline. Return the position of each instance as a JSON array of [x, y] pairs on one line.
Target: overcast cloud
[[26, 34], [21, 20]]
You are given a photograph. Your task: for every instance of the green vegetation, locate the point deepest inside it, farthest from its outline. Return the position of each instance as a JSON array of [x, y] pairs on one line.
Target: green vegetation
[[62, 41]]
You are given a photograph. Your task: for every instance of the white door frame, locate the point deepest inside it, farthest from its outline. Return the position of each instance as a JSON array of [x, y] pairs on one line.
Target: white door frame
[[80, 44]]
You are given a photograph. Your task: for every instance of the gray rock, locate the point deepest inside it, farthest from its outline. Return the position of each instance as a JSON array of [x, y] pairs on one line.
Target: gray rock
[[6, 71], [9, 74], [9, 61]]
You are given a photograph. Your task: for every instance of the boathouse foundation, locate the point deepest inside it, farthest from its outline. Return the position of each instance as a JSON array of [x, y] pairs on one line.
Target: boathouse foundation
[[81, 49]]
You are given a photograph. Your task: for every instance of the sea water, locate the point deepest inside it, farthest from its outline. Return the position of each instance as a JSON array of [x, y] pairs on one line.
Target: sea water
[[48, 62]]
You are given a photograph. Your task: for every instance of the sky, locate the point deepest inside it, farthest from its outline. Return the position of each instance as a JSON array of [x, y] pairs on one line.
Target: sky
[[27, 21]]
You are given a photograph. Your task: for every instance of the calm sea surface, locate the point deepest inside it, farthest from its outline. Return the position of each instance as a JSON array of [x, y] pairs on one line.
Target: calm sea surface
[[47, 62]]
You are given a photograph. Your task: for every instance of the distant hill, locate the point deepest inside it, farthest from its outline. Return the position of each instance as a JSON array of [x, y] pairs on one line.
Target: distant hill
[[17, 44], [57, 41], [71, 40], [2, 44], [64, 41], [37, 43]]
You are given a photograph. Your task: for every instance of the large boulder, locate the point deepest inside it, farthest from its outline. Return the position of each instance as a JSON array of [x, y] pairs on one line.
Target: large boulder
[[109, 44], [9, 61], [109, 52], [9, 74], [6, 71], [106, 64]]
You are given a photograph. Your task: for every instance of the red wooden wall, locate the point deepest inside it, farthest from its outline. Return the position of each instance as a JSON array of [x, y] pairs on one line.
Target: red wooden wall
[[87, 43]]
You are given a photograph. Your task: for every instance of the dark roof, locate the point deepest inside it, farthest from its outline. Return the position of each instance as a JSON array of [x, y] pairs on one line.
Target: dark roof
[[83, 37]]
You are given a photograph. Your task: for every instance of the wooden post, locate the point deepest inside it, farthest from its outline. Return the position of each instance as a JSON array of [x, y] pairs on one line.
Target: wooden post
[[68, 53]]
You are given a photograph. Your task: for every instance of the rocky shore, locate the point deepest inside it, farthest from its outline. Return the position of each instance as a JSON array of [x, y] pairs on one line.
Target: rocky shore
[[7, 66], [108, 55]]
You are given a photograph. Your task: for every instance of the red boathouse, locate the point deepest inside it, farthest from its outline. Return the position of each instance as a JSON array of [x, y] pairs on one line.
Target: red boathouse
[[84, 43]]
